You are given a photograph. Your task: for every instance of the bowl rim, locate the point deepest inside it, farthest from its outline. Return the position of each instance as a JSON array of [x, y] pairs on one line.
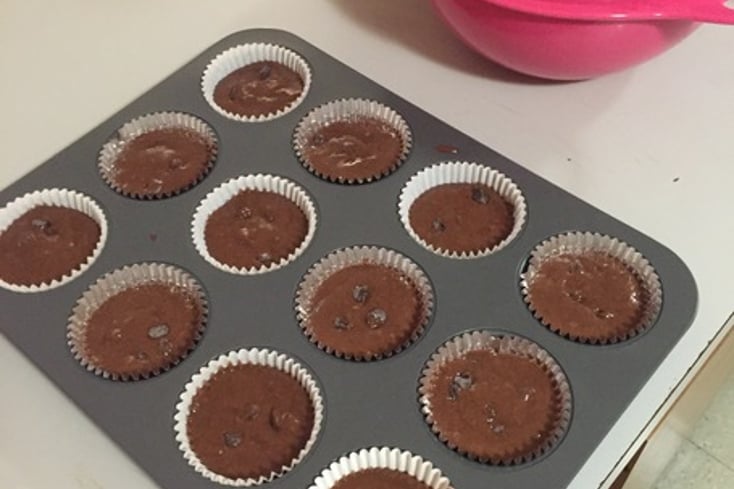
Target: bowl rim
[[606, 11]]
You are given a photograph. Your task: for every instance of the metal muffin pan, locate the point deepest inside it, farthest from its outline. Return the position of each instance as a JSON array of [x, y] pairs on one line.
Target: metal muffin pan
[[367, 404]]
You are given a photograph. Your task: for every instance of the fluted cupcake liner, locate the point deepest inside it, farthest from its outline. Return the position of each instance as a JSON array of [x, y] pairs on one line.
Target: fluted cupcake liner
[[245, 54], [505, 344], [254, 356], [358, 255], [353, 109], [112, 284], [264, 183], [578, 243], [58, 198], [462, 172], [382, 458], [112, 149]]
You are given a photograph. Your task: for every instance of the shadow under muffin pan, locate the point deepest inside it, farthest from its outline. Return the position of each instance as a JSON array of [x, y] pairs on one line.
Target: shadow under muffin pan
[[366, 404]]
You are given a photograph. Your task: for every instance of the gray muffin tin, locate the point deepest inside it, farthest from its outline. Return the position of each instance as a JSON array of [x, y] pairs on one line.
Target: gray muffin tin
[[366, 404]]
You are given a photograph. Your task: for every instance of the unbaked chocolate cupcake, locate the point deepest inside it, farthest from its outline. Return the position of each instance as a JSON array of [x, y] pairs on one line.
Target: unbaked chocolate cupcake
[[256, 82], [48, 238], [497, 399], [462, 210], [381, 468], [138, 321], [254, 224], [591, 288], [364, 303], [248, 417], [158, 155], [352, 141]]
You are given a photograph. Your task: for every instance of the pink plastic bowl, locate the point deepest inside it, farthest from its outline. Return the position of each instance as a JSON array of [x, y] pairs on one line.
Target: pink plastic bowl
[[560, 48]]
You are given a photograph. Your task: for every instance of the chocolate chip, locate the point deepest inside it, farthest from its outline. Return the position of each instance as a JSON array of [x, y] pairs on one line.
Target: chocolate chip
[[479, 195], [232, 440], [41, 224], [265, 258], [275, 419], [159, 148], [575, 266], [264, 72], [438, 226], [528, 393], [237, 92], [360, 293], [491, 414], [496, 427], [278, 419], [252, 411], [463, 380], [460, 382], [176, 164], [245, 213], [156, 186], [341, 323], [576, 296], [376, 318], [158, 331], [142, 356], [165, 346], [602, 314], [44, 226]]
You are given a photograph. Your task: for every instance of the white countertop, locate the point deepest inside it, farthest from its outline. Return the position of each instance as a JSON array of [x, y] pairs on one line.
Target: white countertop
[[653, 146]]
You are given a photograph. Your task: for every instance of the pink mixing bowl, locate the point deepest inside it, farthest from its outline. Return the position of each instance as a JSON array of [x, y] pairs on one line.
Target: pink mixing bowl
[[574, 39]]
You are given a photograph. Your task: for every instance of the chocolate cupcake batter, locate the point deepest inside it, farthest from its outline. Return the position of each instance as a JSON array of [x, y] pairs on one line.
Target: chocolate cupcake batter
[[249, 420], [46, 243], [494, 406], [590, 296], [142, 329], [354, 150], [162, 162], [260, 88], [379, 479], [462, 217], [254, 229], [364, 311]]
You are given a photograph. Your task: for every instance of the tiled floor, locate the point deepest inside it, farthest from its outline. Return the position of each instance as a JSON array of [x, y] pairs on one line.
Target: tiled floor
[[706, 459]]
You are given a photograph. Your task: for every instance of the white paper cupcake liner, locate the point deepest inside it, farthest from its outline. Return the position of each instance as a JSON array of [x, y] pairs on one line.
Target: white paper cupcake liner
[[147, 123], [57, 198], [112, 284], [264, 183], [357, 255], [382, 458], [585, 242], [458, 346], [245, 54], [253, 356], [350, 110], [462, 172]]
